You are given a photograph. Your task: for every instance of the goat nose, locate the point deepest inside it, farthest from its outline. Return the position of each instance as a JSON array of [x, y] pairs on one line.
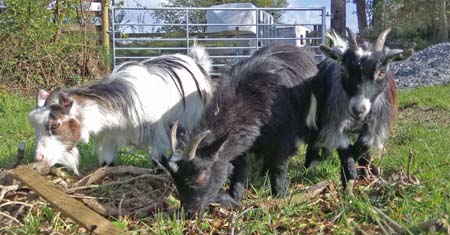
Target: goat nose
[[38, 157], [357, 110]]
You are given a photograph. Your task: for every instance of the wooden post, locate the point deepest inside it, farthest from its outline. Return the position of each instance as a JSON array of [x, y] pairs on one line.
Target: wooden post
[[105, 24], [71, 207]]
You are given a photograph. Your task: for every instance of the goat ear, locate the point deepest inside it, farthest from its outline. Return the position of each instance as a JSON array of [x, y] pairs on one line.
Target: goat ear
[[41, 97], [65, 101], [398, 54], [331, 53]]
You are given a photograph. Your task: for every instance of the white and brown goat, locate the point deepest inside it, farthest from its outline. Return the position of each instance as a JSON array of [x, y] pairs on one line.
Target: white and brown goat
[[133, 106]]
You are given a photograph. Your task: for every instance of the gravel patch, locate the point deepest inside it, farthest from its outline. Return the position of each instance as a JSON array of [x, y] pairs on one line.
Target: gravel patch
[[428, 67]]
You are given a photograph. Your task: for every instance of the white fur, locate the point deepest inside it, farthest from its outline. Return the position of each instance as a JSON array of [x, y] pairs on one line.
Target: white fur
[[156, 104], [311, 119]]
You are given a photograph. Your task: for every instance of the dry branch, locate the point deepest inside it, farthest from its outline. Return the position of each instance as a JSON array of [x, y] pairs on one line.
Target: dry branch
[[69, 206], [5, 189], [309, 193], [103, 172], [432, 226], [91, 186]]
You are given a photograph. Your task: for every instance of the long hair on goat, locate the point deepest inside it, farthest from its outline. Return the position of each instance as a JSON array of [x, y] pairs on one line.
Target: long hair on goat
[[254, 110], [134, 105]]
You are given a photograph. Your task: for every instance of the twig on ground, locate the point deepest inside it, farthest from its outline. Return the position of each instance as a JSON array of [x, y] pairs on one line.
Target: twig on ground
[[406, 106], [103, 172], [156, 177], [408, 169], [15, 202], [121, 204], [374, 181], [433, 225], [300, 198], [356, 226], [11, 218], [6, 189]]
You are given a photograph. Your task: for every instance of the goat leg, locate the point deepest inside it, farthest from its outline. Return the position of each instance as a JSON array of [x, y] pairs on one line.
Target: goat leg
[[348, 170], [312, 157], [361, 154], [237, 178], [226, 200], [279, 180]]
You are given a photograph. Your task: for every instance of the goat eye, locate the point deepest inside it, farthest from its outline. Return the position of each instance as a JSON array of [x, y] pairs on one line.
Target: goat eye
[[380, 75]]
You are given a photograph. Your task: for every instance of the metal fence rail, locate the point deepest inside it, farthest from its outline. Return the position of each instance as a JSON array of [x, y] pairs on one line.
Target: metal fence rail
[[173, 30]]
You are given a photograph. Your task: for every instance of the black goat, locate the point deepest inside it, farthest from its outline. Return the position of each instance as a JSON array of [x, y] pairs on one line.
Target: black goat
[[354, 95], [277, 96], [256, 109]]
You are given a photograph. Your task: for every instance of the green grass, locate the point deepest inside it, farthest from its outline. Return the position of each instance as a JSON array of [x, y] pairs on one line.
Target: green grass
[[422, 130]]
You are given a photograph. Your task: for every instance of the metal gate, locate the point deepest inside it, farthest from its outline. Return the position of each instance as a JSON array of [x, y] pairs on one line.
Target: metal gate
[[228, 33]]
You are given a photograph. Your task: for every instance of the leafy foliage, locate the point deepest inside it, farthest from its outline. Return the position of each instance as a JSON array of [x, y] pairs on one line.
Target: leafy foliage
[[42, 45], [415, 23]]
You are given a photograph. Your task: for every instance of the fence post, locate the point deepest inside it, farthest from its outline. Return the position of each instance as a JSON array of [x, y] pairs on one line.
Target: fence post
[[324, 28], [187, 30], [105, 24]]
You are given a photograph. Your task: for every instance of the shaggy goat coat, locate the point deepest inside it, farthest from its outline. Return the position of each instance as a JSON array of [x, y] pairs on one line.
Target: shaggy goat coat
[[133, 106], [255, 110]]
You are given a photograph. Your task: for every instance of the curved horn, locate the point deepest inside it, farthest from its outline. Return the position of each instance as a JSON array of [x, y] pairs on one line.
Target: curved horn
[[173, 136], [379, 44], [353, 44], [189, 152]]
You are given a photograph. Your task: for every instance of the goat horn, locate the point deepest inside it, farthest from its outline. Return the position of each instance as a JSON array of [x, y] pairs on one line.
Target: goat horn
[[379, 44], [353, 44], [173, 136], [190, 151]]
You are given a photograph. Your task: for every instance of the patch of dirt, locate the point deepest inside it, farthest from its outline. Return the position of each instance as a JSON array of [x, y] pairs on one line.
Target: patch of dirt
[[414, 112]]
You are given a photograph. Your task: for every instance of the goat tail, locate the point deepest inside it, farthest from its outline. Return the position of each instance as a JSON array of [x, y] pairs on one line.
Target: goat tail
[[201, 56]]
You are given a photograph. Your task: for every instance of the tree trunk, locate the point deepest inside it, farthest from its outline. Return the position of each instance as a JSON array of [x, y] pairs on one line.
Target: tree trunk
[[362, 17], [443, 21], [338, 16], [377, 17], [58, 20]]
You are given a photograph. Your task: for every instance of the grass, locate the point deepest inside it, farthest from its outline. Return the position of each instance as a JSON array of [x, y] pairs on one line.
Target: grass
[[422, 131]]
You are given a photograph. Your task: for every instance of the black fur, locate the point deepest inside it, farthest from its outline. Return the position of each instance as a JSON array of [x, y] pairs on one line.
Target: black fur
[[255, 110]]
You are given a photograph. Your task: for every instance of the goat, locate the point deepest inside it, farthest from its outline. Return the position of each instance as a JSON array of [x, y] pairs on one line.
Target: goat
[[353, 95], [255, 110], [132, 106]]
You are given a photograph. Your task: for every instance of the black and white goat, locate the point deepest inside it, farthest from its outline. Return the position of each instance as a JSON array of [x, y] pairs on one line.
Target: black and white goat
[[255, 110], [133, 106], [353, 96]]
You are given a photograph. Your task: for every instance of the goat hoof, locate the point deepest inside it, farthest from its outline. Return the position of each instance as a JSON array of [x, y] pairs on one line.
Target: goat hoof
[[107, 164], [226, 200], [349, 188]]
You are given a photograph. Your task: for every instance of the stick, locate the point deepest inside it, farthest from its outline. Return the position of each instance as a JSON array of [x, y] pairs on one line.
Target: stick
[[11, 218], [69, 206], [300, 198], [354, 224], [408, 169], [107, 171], [115, 182], [6, 189], [433, 225]]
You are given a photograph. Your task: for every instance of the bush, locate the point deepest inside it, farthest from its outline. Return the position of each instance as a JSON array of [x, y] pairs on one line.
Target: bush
[[46, 47]]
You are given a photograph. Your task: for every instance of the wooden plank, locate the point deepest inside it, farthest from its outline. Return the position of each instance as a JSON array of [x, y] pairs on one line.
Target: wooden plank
[[71, 207]]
